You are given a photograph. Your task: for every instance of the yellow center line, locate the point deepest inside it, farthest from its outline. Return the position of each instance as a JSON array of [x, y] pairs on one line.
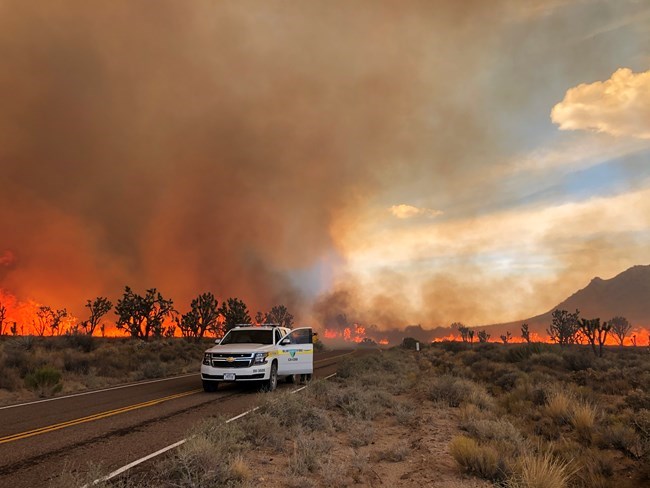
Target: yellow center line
[[90, 418]]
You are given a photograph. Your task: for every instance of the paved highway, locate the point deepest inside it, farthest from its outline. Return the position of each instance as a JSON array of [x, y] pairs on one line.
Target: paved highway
[[116, 426]]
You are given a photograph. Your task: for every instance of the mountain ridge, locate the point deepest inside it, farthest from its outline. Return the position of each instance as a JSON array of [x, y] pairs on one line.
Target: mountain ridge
[[627, 294]]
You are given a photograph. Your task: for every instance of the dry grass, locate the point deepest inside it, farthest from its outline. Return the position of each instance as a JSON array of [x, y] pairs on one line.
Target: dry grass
[[475, 459], [583, 419], [540, 471], [559, 407]]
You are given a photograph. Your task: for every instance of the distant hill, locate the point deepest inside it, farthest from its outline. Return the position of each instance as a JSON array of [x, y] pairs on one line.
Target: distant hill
[[626, 294]]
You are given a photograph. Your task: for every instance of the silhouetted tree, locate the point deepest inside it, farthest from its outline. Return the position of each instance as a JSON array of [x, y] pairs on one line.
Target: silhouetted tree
[[44, 317], [525, 333], [98, 307], [462, 330], [3, 317], [260, 318], [202, 317], [506, 338], [483, 336], [620, 328], [143, 316], [14, 329], [470, 334], [280, 315], [564, 327], [234, 312], [47, 318], [595, 333]]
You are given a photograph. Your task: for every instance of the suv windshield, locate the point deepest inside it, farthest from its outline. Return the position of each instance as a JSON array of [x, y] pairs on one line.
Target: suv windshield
[[248, 336]]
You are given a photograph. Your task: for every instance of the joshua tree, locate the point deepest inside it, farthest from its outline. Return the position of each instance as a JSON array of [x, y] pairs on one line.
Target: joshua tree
[[203, 316], [143, 316], [564, 327], [470, 333], [620, 328], [98, 307], [280, 315], [47, 318], [525, 333], [483, 336], [506, 338], [234, 311], [464, 332], [595, 332]]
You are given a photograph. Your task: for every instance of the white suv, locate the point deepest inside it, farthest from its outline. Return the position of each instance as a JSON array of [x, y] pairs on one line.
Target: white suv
[[259, 353]]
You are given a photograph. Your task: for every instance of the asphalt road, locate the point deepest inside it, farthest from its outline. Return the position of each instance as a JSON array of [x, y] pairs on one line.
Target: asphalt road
[[114, 427]]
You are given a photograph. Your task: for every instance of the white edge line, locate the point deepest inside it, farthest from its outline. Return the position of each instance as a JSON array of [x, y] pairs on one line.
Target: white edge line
[[123, 469], [98, 391]]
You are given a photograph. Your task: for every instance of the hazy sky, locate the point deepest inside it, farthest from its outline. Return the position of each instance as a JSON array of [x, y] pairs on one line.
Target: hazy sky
[[402, 162]]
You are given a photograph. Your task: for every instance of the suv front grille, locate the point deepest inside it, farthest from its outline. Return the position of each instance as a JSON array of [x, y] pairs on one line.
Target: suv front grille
[[235, 360]]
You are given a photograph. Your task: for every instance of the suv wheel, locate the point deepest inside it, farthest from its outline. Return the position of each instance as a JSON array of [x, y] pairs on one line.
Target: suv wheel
[[272, 382]]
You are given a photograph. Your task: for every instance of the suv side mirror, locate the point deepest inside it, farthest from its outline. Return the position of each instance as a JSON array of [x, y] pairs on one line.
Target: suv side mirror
[[217, 341], [285, 342]]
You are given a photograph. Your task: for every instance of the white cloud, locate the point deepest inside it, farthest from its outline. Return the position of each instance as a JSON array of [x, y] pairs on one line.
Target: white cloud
[[403, 211], [619, 106], [521, 236]]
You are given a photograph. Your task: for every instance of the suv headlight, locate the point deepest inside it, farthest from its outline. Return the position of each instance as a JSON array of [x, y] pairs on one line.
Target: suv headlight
[[260, 357], [206, 358]]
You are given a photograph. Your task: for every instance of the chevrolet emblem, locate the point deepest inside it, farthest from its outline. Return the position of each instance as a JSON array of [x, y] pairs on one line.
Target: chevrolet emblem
[[230, 360]]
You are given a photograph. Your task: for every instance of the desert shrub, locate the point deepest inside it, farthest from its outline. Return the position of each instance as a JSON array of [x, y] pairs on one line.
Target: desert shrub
[[76, 363], [263, 429], [405, 413], [594, 468], [507, 380], [24, 361], [453, 346], [583, 418], [152, 369], [539, 471], [493, 430], [641, 422], [453, 391], [361, 434], [622, 437], [9, 379], [361, 404], [559, 406], [45, 381], [83, 342], [638, 399], [307, 453], [481, 461], [519, 353], [578, 360], [198, 462], [290, 410], [548, 359], [395, 454]]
